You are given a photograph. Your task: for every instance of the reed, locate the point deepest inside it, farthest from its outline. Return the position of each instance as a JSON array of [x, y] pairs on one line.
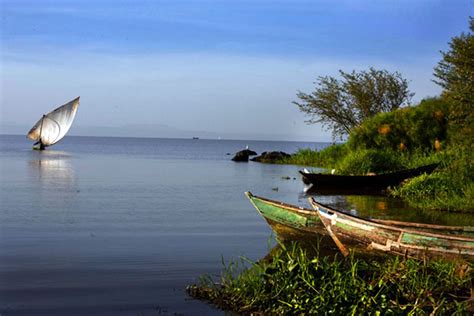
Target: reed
[[293, 281]]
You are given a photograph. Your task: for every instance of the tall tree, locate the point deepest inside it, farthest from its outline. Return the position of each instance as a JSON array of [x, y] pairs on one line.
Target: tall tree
[[455, 73], [342, 104]]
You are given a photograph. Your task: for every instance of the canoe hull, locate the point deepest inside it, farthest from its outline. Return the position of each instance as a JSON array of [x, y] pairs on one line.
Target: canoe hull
[[394, 239], [375, 182], [288, 221], [407, 239]]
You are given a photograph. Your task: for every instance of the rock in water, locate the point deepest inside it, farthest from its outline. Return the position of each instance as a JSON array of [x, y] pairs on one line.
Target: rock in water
[[250, 152], [243, 155], [271, 157]]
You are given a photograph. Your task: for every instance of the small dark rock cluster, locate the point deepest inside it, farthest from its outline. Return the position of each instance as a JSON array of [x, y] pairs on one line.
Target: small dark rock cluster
[[271, 157], [268, 157], [243, 155]]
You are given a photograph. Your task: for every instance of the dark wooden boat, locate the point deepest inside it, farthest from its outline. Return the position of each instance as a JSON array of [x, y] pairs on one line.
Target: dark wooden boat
[[288, 221], [402, 238], [366, 182]]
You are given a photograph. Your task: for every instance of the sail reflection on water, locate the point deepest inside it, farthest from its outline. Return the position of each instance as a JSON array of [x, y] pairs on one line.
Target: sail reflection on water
[[53, 173]]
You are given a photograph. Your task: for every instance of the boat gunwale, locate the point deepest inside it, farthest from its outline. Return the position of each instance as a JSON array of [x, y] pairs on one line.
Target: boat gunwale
[[376, 176], [286, 206], [422, 225], [369, 222], [305, 211]]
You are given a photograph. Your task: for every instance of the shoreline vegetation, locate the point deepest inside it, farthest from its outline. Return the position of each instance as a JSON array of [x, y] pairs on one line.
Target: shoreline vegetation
[[403, 139], [384, 134], [292, 280]]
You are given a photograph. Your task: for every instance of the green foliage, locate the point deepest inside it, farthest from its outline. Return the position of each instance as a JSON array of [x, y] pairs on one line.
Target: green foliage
[[437, 191], [294, 282], [410, 128], [349, 161], [450, 188], [344, 104], [325, 158], [455, 73], [367, 161]]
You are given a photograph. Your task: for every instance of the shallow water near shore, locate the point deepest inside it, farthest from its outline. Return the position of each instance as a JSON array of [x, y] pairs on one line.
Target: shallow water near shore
[[113, 226]]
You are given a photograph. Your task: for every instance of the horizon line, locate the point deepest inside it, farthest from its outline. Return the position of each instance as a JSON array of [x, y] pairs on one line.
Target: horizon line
[[189, 138]]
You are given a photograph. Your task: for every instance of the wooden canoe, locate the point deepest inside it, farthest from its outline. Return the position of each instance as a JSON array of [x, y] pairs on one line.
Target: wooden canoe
[[375, 182], [408, 239], [288, 221]]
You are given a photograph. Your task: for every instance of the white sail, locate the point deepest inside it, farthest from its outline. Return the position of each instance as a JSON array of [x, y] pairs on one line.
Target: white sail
[[52, 127]]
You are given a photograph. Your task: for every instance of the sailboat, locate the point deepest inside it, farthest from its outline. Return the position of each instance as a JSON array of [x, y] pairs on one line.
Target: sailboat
[[52, 127]]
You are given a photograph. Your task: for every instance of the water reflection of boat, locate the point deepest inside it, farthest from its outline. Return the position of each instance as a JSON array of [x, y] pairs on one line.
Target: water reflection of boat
[[362, 184], [54, 186], [52, 127], [52, 168], [396, 237], [321, 190]]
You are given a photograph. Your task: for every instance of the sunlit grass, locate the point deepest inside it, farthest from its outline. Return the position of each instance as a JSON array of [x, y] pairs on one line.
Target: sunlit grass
[[293, 281], [450, 187]]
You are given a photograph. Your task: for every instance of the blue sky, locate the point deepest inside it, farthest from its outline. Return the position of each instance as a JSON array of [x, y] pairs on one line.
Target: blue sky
[[227, 68]]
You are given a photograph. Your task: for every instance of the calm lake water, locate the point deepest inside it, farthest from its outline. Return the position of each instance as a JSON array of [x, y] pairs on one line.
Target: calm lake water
[[120, 226]]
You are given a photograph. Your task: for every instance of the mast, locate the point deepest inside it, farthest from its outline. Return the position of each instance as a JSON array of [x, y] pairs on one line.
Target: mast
[[41, 130]]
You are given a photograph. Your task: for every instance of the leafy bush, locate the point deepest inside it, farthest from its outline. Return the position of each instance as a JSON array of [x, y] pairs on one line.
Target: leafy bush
[[409, 128], [369, 160]]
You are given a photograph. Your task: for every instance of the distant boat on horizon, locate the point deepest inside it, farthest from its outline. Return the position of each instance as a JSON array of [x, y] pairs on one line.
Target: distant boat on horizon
[[52, 127], [195, 137]]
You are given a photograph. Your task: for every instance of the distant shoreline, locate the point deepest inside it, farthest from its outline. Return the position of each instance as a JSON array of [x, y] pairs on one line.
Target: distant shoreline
[[190, 138]]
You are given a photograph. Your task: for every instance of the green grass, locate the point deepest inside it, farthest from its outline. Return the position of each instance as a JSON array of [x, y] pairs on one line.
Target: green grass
[[361, 161], [325, 158], [293, 282], [368, 160], [450, 188], [437, 191]]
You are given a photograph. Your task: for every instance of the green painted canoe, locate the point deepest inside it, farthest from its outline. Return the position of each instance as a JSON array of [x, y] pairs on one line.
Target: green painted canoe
[[408, 239], [288, 221], [402, 238]]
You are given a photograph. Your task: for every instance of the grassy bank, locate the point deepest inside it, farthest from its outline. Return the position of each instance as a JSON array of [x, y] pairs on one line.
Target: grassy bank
[[450, 187], [294, 282], [325, 158]]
